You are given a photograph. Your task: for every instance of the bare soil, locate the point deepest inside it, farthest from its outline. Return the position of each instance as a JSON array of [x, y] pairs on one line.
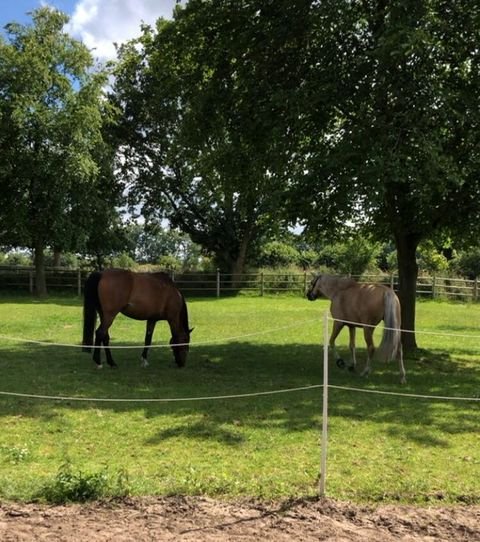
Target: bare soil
[[197, 518]]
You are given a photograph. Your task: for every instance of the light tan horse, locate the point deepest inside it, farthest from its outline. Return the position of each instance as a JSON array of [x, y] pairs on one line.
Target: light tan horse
[[362, 305]]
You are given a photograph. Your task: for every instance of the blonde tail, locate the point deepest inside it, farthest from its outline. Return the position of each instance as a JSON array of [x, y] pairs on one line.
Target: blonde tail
[[391, 343]]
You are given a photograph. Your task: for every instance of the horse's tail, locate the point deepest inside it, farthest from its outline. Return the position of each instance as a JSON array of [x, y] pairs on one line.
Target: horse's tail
[[91, 304], [392, 335]]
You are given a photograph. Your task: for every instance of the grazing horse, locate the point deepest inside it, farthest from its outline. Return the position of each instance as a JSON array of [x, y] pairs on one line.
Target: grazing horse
[[142, 296], [362, 305]]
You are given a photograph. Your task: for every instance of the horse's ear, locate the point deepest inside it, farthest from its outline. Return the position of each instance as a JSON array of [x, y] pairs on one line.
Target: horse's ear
[[190, 330]]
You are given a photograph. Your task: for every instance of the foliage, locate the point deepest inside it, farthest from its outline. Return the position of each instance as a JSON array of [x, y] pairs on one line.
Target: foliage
[[123, 261], [201, 109], [353, 256], [70, 486], [51, 143], [468, 263], [16, 257], [430, 259], [402, 155], [169, 262], [278, 254], [150, 243]]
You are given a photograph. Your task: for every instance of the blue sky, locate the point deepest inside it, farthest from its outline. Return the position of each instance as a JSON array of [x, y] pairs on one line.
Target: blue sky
[[98, 23], [15, 10]]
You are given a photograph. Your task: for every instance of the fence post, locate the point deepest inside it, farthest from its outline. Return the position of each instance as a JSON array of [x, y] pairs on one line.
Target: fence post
[[79, 282], [30, 282], [262, 284], [304, 283], [433, 287], [323, 461], [475, 289], [392, 281], [218, 282]]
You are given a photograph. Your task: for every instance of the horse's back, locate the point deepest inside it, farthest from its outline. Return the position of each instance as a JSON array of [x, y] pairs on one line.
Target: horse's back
[[360, 302], [114, 289], [153, 296]]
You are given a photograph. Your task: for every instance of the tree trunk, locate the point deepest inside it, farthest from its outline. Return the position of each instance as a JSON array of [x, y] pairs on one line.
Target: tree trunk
[[238, 266], [39, 262], [57, 254], [407, 277]]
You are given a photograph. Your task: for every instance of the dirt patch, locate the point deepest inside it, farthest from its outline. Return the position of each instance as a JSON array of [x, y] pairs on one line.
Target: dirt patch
[[189, 518]]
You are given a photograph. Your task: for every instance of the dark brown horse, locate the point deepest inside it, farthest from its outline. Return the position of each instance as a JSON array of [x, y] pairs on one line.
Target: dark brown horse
[[362, 305], [142, 296]]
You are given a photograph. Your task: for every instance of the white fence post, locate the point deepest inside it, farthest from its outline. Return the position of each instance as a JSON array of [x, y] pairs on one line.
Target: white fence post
[[323, 463]]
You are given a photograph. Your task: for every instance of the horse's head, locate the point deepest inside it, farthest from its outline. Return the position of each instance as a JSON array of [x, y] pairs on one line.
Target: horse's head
[[180, 346], [181, 334], [314, 289]]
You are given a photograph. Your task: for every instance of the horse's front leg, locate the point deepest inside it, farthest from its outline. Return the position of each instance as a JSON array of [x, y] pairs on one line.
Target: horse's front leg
[[368, 334], [148, 341], [337, 327]]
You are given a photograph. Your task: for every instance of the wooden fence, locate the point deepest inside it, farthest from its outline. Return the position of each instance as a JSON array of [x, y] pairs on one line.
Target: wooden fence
[[216, 284]]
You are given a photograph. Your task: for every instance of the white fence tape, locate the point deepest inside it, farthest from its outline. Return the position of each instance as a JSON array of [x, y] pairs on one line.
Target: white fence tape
[[234, 396], [416, 331], [136, 347]]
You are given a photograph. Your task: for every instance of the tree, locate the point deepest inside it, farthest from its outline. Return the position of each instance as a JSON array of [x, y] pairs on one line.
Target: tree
[[51, 117], [201, 97], [403, 156]]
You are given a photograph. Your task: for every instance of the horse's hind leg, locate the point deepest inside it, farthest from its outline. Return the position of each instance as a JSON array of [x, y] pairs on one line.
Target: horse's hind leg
[[148, 341], [97, 348], [108, 353], [368, 334], [351, 330], [337, 327], [102, 337]]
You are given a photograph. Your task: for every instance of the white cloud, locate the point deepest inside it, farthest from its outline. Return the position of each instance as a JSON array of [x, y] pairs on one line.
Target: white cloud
[[102, 23]]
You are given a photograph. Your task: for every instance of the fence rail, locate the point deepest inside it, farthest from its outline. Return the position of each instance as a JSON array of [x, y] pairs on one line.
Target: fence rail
[[13, 278]]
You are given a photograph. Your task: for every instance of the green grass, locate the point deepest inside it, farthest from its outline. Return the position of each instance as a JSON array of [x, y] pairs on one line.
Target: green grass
[[381, 448]]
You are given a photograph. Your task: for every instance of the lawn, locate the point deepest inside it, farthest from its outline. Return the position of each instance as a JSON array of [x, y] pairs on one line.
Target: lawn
[[381, 447]]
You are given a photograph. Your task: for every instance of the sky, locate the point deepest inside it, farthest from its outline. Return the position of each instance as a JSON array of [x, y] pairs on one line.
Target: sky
[[98, 23]]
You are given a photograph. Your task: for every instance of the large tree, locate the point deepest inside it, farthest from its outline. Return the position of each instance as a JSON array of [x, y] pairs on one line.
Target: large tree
[[51, 118], [403, 154], [202, 97]]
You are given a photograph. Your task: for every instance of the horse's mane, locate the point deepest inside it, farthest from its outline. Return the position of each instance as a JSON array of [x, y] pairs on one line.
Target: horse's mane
[[342, 283], [184, 315], [164, 277]]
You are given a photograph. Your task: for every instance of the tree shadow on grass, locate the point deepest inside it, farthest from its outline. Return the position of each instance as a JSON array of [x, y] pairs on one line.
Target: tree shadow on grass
[[244, 368]]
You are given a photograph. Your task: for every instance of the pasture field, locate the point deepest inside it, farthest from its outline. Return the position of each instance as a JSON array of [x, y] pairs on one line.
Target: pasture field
[[381, 447]]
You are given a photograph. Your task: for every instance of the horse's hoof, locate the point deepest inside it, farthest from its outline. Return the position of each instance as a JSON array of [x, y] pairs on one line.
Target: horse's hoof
[[99, 366], [340, 363]]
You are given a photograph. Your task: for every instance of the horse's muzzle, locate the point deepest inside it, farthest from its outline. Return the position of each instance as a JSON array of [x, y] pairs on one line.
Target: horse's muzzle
[[311, 296]]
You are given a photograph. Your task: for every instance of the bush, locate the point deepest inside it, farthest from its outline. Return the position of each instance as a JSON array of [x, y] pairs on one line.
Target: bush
[[468, 263], [70, 486], [278, 254]]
